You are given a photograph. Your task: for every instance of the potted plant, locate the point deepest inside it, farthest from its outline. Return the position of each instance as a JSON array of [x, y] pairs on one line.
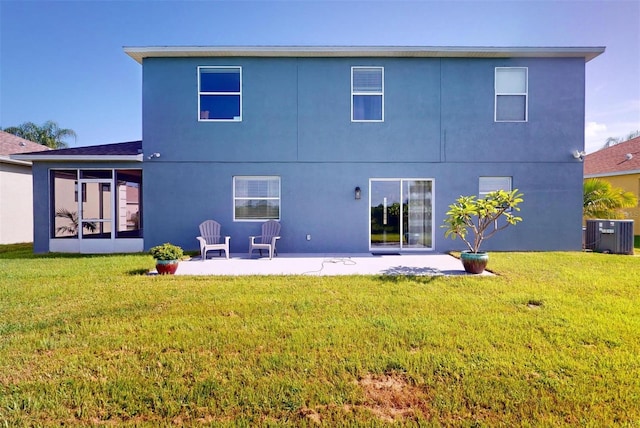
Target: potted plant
[[476, 219], [167, 257]]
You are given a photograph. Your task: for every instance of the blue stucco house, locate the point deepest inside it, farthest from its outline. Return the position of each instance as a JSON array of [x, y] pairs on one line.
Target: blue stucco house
[[352, 149]]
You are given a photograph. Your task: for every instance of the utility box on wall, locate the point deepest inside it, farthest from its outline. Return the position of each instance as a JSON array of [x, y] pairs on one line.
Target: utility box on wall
[[610, 236]]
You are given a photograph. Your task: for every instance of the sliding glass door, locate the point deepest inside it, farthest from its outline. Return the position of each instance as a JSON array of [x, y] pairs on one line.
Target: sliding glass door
[[400, 214]]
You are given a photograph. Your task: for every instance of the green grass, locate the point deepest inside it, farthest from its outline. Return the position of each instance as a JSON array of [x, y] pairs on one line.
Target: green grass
[[89, 340]]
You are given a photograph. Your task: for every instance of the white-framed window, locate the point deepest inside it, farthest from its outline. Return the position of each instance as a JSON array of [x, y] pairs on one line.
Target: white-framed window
[[367, 94], [256, 198], [220, 93], [491, 184], [511, 99]]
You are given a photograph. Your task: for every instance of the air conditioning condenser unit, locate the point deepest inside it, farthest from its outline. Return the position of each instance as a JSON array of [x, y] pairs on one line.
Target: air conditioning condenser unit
[[610, 236]]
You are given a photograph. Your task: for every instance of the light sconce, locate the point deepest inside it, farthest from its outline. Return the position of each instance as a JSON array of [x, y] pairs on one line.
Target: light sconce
[[358, 192], [579, 155], [154, 155]]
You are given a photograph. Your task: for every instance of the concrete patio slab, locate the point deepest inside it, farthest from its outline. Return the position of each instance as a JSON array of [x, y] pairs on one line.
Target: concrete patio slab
[[431, 264]]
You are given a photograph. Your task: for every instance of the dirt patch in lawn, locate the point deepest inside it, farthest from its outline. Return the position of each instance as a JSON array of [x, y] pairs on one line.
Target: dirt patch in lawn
[[392, 397]]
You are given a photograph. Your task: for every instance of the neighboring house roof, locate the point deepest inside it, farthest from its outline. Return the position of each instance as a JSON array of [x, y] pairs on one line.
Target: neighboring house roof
[[620, 159], [129, 151], [139, 53], [12, 144]]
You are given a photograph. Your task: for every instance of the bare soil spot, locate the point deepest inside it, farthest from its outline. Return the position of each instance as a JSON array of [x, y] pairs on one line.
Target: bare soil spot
[[392, 397]]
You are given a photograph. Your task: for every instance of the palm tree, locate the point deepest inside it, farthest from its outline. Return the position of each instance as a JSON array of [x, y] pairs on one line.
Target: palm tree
[[72, 227], [612, 141], [49, 134], [602, 200]]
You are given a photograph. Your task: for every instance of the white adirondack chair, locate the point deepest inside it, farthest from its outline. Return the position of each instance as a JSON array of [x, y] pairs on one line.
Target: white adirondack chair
[[210, 239], [267, 241]]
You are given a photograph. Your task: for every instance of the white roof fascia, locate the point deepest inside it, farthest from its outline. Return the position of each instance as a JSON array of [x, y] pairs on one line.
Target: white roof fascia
[[139, 53], [612, 174], [81, 158], [5, 159]]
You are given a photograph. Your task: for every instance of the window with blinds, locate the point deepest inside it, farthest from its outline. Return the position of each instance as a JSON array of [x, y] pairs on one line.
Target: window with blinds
[[256, 198], [367, 94], [511, 93], [491, 184], [220, 94]]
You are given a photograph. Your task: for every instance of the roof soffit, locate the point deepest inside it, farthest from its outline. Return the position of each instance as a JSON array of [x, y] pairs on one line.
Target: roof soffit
[[140, 53]]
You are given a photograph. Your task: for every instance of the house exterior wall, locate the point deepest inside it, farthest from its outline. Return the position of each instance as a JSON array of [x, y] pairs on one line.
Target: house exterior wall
[[296, 124], [16, 206]]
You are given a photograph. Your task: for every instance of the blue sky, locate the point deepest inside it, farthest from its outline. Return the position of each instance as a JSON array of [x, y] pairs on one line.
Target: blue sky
[[63, 60]]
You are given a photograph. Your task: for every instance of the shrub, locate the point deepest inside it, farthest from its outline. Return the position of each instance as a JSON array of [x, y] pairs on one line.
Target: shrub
[[166, 251]]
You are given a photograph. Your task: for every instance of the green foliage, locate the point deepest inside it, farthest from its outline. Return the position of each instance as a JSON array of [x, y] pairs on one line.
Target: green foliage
[[166, 251], [482, 217], [48, 134], [551, 340], [602, 200]]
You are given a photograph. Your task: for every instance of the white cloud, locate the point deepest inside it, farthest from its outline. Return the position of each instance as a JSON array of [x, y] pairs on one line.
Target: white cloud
[[595, 135], [593, 129]]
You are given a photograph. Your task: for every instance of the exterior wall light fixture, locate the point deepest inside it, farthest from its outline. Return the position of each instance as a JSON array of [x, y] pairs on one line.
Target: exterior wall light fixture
[[579, 155], [154, 155], [358, 192]]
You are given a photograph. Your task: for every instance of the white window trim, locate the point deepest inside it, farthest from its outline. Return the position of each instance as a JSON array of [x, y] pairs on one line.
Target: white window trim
[[525, 94], [381, 93], [200, 93], [272, 198], [495, 177]]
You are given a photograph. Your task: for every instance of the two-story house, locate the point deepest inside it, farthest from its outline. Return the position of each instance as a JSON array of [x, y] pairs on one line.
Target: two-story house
[[352, 149]]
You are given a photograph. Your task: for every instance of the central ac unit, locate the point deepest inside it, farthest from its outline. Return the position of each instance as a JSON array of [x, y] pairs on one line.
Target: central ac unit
[[610, 236]]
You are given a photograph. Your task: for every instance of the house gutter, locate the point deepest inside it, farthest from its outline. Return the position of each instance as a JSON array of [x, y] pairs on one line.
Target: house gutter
[[5, 159], [81, 158], [611, 174]]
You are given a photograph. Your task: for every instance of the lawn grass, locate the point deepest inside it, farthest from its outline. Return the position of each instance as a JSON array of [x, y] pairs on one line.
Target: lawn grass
[[89, 340]]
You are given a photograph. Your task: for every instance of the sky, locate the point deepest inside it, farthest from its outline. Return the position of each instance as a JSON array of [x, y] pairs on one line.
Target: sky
[[64, 60]]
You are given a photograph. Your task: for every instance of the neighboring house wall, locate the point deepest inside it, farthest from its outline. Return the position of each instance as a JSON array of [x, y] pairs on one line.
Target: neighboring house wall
[[620, 166], [16, 190], [629, 183], [438, 124], [16, 202]]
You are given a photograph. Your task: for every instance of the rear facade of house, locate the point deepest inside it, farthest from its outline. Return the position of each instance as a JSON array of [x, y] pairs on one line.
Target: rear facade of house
[[351, 149]]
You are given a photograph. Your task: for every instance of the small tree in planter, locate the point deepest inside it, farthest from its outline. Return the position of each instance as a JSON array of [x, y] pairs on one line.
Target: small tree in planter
[[474, 220], [167, 257]]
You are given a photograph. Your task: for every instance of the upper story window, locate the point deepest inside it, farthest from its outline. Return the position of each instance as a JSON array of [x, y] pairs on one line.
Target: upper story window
[[220, 94], [256, 198], [511, 86], [367, 94]]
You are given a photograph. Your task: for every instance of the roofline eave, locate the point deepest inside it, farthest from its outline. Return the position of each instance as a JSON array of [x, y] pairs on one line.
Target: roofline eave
[[9, 160], [612, 174], [141, 52], [86, 158]]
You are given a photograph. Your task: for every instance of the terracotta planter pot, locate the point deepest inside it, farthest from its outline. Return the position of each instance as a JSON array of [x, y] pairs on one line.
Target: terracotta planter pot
[[166, 267], [474, 262]]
